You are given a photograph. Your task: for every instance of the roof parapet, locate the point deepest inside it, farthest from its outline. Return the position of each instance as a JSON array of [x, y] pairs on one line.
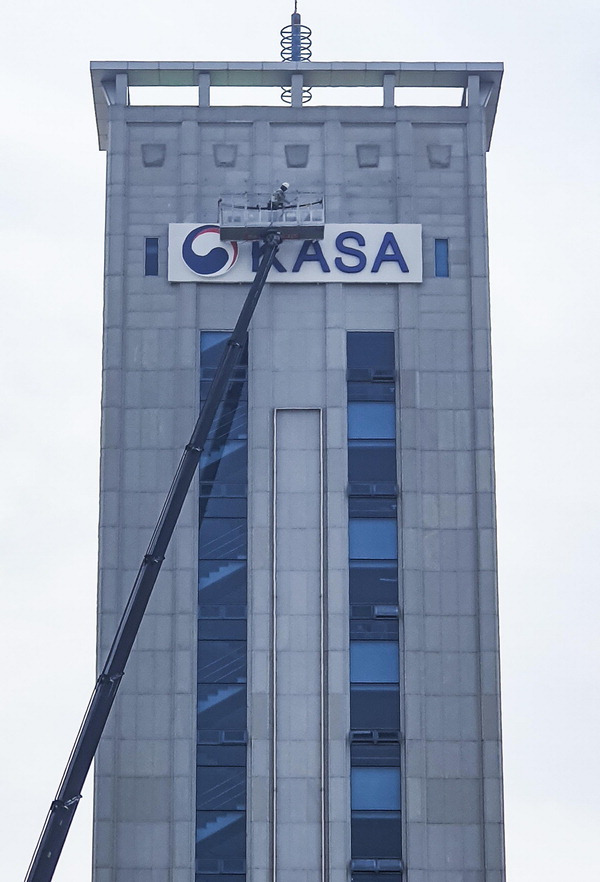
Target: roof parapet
[[112, 79]]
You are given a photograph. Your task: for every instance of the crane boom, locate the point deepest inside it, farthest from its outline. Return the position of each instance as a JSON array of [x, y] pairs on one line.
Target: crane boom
[[63, 807]]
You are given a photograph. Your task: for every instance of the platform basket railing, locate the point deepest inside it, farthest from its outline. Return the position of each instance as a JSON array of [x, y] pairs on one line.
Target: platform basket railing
[[250, 216]]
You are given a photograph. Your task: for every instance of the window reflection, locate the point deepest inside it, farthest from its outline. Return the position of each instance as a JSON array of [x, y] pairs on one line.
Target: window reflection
[[223, 538], [221, 706], [221, 788], [222, 581], [373, 538], [375, 789], [221, 834], [221, 661], [373, 661], [371, 419], [225, 462]]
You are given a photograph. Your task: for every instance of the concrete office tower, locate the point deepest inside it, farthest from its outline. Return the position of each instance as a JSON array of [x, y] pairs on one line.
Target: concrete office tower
[[314, 691]]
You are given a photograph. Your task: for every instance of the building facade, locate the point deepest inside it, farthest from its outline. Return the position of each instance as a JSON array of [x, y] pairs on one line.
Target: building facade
[[314, 692]]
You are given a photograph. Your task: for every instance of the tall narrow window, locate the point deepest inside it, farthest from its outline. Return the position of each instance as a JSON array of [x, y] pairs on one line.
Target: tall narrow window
[[151, 257], [221, 726], [374, 650], [442, 259]]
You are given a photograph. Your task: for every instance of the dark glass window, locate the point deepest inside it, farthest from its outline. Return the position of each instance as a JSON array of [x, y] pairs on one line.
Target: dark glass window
[[374, 706], [384, 753], [222, 581], [373, 581], [371, 461], [221, 661], [225, 462], [375, 789], [151, 257], [373, 539], [376, 877], [376, 835], [232, 878], [237, 391], [219, 629], [371, 419], [216, 506], [221, 834], [372, 628], [212, 345], [372, 506], [371, 350], [221, 755], [222, 788], [378, 391], [442, 260], [221, 706], [222, 665], [373, 661], [374, 649], [222, 538], [231, 421]]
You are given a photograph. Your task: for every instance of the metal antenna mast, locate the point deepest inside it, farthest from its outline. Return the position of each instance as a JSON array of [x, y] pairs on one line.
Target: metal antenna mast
[[296, 45]]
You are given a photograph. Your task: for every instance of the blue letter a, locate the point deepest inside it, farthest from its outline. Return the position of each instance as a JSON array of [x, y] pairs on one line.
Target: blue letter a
[[395, 255], [305, 255]]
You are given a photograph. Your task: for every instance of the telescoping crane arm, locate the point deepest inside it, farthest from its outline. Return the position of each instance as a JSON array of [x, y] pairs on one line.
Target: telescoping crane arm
[[62, 809]]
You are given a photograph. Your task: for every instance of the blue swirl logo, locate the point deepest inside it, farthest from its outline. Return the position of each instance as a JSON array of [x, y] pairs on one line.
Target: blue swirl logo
[[205, 254]]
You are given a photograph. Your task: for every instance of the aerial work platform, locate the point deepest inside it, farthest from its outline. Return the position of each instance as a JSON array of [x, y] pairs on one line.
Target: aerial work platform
[[247, 217]]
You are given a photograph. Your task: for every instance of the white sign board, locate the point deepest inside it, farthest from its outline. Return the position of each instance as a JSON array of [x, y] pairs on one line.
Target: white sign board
[[365, 253]]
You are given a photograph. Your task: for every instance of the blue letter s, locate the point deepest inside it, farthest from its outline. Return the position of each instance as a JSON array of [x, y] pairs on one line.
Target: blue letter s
[[353, 252]]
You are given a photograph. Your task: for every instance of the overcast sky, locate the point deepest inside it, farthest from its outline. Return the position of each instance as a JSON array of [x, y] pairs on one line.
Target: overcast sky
[[544, 197]]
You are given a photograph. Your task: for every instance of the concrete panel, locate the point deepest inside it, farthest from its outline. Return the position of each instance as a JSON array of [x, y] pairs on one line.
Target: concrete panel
[[453, 801], [298, 634], [143, 798]]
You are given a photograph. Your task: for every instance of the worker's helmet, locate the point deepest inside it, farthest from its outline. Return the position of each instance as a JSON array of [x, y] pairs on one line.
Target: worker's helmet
[[285, 186]]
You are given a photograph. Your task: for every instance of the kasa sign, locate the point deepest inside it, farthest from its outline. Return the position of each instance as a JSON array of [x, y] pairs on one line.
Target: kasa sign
[[365, 253]]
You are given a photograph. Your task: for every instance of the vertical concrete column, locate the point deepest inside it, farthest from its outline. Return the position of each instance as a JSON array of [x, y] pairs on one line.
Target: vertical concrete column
[[334, 171], [297, 84], [411, 549], [189, 181], [204, 90], [121, 89], [405, 174], [185, 541], [338, 601], [111, 591], [389, 86], [473, 91], [492, 843], [261, 157], [298, 743]]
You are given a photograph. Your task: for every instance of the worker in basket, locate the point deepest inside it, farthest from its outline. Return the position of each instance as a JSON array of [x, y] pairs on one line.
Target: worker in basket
[[278, 199]]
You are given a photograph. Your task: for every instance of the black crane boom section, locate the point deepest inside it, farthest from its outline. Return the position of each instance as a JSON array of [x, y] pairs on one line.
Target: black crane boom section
[[63, 807]]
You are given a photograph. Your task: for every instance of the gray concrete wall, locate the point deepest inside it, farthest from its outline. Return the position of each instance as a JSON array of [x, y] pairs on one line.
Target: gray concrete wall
[[429, 169]]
